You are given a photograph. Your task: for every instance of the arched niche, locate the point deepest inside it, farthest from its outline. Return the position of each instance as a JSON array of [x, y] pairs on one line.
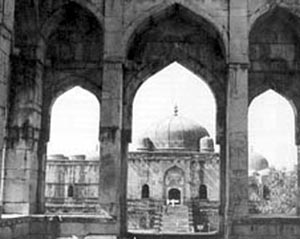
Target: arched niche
[[174, 181]]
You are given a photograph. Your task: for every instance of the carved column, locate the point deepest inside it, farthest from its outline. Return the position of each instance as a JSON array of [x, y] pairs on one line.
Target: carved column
[[6, 29]]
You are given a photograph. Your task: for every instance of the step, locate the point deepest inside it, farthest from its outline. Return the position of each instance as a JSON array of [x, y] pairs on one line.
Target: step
[[175, 219]]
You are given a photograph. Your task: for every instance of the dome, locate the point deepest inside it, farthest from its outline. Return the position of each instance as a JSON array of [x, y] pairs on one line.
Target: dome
[[176, 133], [258, 162]]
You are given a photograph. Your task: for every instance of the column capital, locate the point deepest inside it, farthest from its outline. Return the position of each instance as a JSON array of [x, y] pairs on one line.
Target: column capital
[[241, 65], [114, 60]]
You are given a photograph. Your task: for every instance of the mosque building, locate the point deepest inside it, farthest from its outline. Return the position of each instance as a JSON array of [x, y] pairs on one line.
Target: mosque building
[[175, 168], [173, 171]]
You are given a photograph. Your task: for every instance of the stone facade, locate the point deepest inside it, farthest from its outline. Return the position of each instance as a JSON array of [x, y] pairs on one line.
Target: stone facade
[[239, 47], [72, 186], [163, 172]]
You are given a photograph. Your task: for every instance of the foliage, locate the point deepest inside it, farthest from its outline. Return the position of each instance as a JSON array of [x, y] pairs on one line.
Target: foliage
[[282, 186]]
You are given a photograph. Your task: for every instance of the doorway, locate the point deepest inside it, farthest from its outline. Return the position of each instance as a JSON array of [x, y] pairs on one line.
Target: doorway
[[174, 196]]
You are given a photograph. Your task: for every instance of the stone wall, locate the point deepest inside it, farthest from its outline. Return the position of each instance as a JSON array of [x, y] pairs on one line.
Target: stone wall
[[54, 227], [151, 169], [72, 186]]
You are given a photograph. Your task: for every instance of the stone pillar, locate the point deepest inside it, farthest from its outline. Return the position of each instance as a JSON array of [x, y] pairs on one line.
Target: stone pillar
[[298, 180], [113, 176], [6, 29], [113, 165], [237, 116], [21, 164], [237, 140]]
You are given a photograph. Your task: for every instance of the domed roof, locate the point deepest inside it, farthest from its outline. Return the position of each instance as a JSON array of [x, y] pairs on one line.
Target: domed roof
[[258, 162], [176, 133]]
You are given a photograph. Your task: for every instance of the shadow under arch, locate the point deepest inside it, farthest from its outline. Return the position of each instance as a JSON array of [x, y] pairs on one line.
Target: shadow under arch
[[269, 9], [165, 10], [52, 23]]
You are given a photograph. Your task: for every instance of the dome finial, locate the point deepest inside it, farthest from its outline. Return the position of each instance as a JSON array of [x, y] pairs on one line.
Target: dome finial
[[176, 110]]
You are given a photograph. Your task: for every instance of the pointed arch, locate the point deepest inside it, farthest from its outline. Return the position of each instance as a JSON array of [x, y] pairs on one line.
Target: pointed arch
[[215, 87], [67, 83], [157, 96], [272, 127], [75, 123], [149, 51]]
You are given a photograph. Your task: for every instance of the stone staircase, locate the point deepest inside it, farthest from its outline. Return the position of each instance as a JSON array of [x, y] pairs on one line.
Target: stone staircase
[[175, 219]]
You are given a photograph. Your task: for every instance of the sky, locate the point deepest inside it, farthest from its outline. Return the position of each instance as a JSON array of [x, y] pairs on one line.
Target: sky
[[74, 124], [271, 117]]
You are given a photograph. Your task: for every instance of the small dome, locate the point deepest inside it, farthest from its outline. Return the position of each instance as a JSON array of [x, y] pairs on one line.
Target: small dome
[[206, 144], [175, 133], [258, 162]]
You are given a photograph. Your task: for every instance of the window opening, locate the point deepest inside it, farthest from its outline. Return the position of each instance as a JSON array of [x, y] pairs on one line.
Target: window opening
[[145, 191], [203, 192]]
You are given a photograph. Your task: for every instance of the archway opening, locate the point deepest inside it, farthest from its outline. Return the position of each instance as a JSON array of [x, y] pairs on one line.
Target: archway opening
[[73, 153], [272, 154], [174, 196], [173, 131]]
